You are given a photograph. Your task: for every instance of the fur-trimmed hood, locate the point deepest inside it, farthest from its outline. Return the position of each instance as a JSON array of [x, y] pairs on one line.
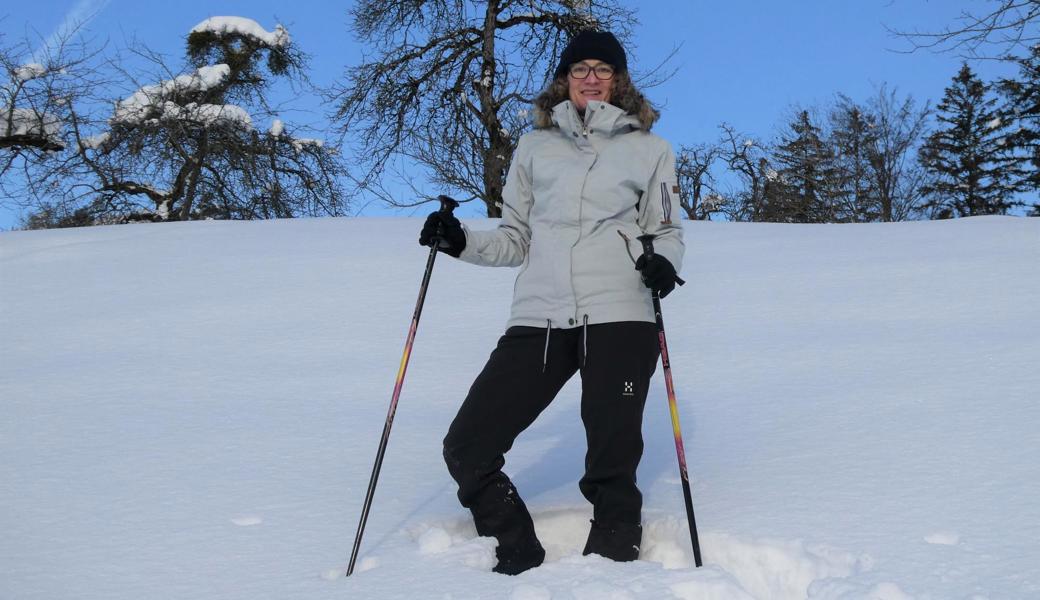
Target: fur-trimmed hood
[[599, 117], [625, 96]]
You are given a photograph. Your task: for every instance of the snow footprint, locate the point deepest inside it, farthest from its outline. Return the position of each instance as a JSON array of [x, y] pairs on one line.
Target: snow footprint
[[530, 592], [734, 567], [766, 568], [456, 542], [943, 538]]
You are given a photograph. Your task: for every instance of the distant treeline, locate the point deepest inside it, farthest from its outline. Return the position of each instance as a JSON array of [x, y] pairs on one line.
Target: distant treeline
[[439, 104]]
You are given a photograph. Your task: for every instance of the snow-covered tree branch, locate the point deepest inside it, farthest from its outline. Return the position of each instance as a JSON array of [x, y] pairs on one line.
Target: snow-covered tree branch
[[204, 143]]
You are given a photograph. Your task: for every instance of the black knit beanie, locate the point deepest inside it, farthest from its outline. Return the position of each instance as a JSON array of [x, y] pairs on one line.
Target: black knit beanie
[[599, 45]]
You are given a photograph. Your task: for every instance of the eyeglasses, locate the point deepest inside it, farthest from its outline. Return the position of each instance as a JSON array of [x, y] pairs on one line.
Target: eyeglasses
[[582, 70]]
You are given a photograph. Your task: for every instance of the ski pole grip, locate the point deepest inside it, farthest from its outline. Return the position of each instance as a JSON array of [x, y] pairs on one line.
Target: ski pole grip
[[448, 204], [647, 239]]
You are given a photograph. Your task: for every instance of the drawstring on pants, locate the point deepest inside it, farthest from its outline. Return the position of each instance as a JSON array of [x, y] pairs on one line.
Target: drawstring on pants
[[545, 355], [584, 343], [584, 340]]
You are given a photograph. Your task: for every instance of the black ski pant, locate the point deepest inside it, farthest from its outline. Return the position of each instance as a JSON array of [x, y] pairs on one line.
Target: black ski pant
[[523, 375]]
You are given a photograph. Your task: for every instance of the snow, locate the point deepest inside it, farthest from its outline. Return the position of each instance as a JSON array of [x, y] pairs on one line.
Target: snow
[[207, 114], [95, 142], [300, 143], [29, 122], [30, 71], [146, 101], [163, 209], [279, 38], [191, 410], [277, 130], [211, 113]]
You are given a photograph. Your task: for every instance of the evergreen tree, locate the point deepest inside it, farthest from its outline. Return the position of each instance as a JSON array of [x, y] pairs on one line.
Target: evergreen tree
[[875, 147], [968, 158], [806, 184], [1022, 108], [854, 142]]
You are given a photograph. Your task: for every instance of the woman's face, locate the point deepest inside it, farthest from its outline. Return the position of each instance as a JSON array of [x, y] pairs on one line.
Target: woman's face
[[589, 87]]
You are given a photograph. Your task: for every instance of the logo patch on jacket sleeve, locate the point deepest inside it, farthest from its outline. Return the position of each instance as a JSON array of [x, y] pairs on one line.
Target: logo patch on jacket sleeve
[[675, 189]]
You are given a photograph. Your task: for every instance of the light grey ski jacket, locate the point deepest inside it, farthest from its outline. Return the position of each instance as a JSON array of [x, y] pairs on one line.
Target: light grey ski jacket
[[569, 191]]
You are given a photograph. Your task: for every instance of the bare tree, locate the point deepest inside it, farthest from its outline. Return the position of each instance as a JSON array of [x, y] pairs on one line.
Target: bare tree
[[39, 95], [898, 177], [699, 194], [859, 166], [188, 146], [448, 85], [748, 159], [877, 143], [1008, 25]]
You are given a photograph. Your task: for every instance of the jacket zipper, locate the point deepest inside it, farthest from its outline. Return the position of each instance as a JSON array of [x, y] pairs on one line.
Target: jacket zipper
[[581, 203]]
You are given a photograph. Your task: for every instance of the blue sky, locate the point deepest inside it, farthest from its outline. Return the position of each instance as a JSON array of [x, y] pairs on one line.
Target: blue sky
[[744, 62]]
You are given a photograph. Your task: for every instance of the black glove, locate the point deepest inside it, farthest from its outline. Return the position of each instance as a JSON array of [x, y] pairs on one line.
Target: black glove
[[444, 227], [658, 273]]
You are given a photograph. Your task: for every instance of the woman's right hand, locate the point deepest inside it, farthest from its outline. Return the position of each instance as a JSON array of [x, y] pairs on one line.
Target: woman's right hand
[[446, 231]]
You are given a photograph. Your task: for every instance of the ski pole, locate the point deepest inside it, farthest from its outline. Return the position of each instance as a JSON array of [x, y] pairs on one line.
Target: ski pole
[[447, 206], [648, 251]]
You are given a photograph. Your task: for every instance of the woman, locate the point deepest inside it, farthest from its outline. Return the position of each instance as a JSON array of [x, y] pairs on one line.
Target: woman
[[589, 171]]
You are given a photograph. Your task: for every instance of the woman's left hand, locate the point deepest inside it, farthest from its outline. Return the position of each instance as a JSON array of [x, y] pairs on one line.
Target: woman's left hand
[[658, 273]]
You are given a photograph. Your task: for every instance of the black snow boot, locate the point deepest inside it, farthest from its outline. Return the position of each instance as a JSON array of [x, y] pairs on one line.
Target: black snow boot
[[616, 541], [501, 514], [513, 560], [518, 546]]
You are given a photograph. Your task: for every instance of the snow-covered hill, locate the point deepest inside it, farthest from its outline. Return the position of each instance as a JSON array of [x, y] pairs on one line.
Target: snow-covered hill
[[192, 411]]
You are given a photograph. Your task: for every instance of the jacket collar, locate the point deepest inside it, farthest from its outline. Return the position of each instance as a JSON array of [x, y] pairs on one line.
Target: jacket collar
[[600, 117]]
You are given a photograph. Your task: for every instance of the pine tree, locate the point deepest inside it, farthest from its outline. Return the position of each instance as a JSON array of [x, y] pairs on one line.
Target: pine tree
[[968, 158], [875, 146], [806, 184], [1022, 108], [854, 141]]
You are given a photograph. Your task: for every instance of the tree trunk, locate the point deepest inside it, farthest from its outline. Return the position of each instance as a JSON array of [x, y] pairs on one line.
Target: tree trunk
[[193, 183], [496, 157]]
